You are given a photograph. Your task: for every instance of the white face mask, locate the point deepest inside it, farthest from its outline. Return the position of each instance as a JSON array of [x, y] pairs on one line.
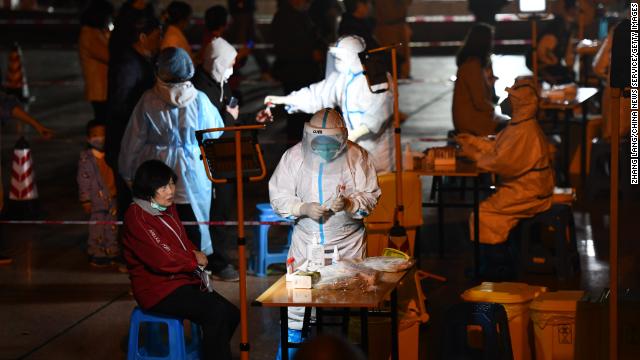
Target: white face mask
[[227, 74]]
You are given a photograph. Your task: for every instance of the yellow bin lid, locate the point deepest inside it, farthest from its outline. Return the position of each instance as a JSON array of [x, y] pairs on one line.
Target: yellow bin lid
[[503, 292], [557, 301]]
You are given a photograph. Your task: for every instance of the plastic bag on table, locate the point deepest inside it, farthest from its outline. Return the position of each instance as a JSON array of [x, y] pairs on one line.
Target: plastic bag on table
[[347, 275], [388, 263]]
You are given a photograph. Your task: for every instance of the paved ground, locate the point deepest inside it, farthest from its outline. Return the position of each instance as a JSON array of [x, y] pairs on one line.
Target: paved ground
[[54, 306]]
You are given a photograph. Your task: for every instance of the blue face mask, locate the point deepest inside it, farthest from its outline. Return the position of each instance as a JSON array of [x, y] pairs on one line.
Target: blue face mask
[[158, 206], [325, 147]]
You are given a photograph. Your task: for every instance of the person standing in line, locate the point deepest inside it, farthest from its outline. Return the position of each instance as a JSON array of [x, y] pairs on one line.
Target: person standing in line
[[163, 127], [93, 48], [97, 190], [131, 73], [178, 17], [212, 79]]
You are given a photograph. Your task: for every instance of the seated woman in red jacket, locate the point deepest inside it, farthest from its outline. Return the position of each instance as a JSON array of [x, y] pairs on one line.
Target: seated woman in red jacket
[[165, 268]]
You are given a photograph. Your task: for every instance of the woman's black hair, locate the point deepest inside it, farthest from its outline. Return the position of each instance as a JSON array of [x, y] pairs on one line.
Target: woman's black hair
[[178, 11], [478, 43], [150, 176]]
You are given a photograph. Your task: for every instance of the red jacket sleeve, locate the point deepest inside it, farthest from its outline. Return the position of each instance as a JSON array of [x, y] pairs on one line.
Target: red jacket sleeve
[[153, 246]]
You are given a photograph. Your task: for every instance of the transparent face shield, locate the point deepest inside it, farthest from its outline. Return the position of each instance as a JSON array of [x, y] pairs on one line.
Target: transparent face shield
[[323, 145]]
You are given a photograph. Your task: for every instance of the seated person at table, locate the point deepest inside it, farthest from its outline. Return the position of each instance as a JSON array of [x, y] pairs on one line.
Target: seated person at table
[[166, 270], [519, 156], [473, 96], [328, 185], [555, 51]]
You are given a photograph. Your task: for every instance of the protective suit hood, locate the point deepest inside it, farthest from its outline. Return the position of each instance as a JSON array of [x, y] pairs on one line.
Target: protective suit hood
[[524, 100], [218, 58], [345, 52], [178, 94]]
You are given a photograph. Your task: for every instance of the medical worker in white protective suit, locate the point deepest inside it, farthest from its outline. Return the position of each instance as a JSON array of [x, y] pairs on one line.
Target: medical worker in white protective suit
[[328, 185], [519, 156], [162, 127], [366, 114]]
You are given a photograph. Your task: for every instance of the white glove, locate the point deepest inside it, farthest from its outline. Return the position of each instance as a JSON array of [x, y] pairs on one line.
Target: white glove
[[276, 100], [338, 204], [357, 133], [313, 210]]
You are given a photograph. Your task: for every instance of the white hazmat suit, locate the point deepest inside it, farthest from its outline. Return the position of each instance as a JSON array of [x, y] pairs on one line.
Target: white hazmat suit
[[328, 185], [519, 156], [366, 114]]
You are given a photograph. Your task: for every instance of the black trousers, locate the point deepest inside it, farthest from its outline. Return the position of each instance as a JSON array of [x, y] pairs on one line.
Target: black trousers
[[216, 315], [185, 212]]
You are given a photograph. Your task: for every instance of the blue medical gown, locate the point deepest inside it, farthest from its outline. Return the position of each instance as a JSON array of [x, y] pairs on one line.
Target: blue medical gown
[[158, 130]]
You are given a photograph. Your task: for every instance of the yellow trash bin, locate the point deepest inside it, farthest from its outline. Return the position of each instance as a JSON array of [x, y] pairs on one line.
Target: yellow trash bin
[[515, 297], [554, 322]]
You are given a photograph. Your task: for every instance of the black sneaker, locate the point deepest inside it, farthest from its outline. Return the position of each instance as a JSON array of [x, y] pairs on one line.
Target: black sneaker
[[5, 260], [99, 262], [227, 274]]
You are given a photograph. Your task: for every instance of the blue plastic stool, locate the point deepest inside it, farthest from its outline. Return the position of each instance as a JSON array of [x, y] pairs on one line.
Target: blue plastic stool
[[293, 336], [491, 318], [261, 257], [154, 348]]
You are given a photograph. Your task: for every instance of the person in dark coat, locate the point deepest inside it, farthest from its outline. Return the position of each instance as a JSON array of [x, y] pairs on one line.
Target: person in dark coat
[[298, 55], [357, 21], [485, 10], [218, 59], [131, 73]]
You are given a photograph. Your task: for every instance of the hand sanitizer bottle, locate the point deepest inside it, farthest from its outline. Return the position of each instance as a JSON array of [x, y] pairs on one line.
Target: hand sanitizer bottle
[[335, 257], [315, 254]]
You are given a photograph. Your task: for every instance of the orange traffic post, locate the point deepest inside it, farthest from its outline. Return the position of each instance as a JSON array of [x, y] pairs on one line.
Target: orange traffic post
[[613, 224], [242, 261]]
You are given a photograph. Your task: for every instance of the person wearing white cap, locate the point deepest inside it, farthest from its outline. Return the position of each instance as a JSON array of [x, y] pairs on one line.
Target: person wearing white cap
[[519, 156], [327, 184], [162, 127], [218, 58], [367, 114]]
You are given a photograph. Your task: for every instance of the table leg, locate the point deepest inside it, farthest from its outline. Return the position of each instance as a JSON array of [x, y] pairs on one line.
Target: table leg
[[476, 226], [319, 316], [438, 181], [394, 326], [306, 322], [284, 333], [364, 330], [345, 322], [568, 115], [583, 150]]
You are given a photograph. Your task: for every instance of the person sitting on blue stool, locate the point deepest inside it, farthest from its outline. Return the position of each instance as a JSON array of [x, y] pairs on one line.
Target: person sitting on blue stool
[[166, 270], [328, 185]]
